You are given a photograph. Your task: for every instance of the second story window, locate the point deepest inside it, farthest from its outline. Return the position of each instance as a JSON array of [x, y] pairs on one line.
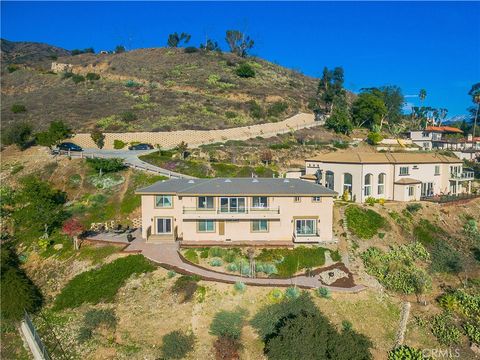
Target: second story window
[[206, 202], [232, 205], [259, 202], [404, 170], [317, 199], [163, 201], [297, 199], [437, 169]]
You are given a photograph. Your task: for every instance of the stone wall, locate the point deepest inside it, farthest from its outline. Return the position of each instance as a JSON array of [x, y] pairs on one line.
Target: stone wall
[[194, 138], [61, 67]]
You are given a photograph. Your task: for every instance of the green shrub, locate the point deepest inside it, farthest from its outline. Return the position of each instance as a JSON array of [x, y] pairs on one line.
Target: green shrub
[[405, 352], [255, 110], [92, 76], [414, 207], [374, 138], [335, 255], [324, 293], [216, 251], [76, 78], [445, 259], [240, 286], [245, 70], [232, 267], [230, 255], [190, 50], [176, 345], [98, 138], [340, 144], [216, 262], [16, 169], [201, 293], [101, 285], [364, 223], [128, 116], [95, 318], [171, 274], [118, 144], [472, 330], [277, 108], [18, 134], [284, 145], [132, 84], [426, 232], [370, 201], [275, 295], [204, 253], [192, 256], [288, 262], [18, 291], [186, 286], [106, 165], [228, 323], [230, 114], [445, 329], [18, 108], [292, 293], [12, 68], [84, 334]]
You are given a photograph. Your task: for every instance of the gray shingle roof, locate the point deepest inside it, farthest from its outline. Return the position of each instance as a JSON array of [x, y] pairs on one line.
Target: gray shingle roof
[[237, 186]]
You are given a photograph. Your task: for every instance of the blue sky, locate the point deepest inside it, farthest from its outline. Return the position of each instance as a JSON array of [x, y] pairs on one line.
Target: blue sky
[[431, 45]]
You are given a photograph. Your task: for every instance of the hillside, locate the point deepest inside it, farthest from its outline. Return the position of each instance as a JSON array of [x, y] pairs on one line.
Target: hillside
[[154, 89], [29, 53]]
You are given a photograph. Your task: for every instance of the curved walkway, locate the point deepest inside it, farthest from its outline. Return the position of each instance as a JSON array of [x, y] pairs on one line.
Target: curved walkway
[[167, 254]]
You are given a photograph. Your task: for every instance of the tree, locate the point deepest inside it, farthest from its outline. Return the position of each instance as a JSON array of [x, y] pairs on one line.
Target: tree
[[238, 42], [18, 291], [210, 45], [38, 206], [228, 323], [19, 134], [340, 120], [174, 40], [368, 110], [73, 228], [106, 165], [330, 87], [182, 148], [56, 132], [266, 156], [176, 345], [475, 94], [245, 70], [119, 49], [98, 138]]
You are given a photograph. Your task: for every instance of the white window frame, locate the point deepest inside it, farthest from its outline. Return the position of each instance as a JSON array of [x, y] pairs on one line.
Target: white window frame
[[257, 202], [161, 203], [403, 173], [164, 220], [381, 183], [437, 170], [230, 208], [259, 228], [203, 202], [304, 221], [411, 191], [347, 186], [317, 199], [206, 229], [297, 199], [367, 190]]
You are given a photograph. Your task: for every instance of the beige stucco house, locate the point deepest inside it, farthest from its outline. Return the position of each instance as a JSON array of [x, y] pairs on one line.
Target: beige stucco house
[[390, 176], [237, 211]]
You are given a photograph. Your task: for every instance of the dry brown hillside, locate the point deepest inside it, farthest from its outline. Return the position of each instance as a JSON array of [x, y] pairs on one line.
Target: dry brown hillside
[[156, 89]]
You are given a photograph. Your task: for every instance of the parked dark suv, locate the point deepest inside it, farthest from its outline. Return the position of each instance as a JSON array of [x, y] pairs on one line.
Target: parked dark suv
[[141, 147], [68, 146]]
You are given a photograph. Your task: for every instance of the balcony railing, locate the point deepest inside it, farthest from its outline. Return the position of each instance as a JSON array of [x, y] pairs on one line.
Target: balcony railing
[[305, 237], [246, 210], [465, 175]]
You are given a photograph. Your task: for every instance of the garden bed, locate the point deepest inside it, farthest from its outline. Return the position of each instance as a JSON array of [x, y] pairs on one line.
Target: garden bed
[[269, 263]]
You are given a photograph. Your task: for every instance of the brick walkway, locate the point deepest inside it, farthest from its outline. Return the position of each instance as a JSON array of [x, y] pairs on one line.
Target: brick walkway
[[167, 254]]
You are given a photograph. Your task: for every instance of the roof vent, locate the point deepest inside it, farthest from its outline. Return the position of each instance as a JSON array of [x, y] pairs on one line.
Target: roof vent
[[228, 180], [286, 180], [191, 182], [255, 181]]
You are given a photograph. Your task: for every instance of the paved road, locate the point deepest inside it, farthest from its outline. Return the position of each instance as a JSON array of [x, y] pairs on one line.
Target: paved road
[[131, 159], [167, 254]]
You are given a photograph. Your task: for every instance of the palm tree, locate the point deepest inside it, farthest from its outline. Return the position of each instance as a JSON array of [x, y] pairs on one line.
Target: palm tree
[[422, 95], [475, 94]]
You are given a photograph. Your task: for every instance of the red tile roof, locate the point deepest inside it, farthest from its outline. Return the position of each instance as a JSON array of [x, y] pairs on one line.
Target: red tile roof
[[443, 129]]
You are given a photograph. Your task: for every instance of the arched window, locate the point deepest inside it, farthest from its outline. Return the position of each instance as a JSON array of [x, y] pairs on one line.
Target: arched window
[[329, 180], [368, 185], [347, 183], [381, 183]]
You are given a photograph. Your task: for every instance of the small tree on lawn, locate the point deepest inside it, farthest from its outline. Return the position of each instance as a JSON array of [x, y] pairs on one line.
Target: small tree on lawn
[[98, 138], [266, 157], [182, 148], [73, 228]]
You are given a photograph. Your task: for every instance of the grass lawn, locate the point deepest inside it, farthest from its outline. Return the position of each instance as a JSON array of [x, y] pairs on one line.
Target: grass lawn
[[101, 285], [363, 223], [289, 262]]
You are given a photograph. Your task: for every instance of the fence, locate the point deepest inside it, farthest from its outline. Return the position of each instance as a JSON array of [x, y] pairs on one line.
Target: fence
[[36, 337], [442, 199]]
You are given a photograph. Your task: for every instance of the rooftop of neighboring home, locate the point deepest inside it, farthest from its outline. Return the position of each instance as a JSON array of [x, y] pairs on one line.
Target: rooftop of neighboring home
[[444, 129], [237, 186], [352, 157]]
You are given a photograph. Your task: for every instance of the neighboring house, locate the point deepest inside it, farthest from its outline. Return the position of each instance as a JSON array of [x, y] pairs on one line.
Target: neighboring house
[[447, 138], [390, 176], [241, 211]]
